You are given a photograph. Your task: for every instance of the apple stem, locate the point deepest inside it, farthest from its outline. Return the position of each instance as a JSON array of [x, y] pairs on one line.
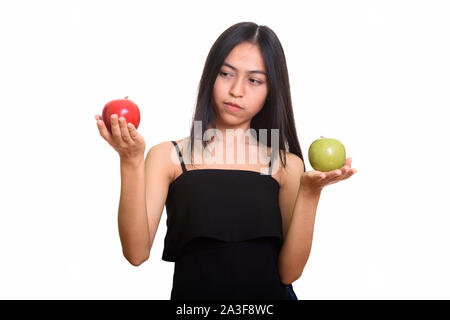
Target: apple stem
[[126, 97]]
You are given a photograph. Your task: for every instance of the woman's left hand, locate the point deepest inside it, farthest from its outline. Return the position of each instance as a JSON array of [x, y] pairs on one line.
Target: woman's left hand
[[315, 180]]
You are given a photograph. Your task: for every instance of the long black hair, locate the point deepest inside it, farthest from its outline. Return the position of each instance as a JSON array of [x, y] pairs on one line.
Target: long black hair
[[277, 111]]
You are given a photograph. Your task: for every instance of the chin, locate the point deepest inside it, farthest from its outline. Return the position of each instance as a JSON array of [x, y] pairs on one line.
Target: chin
[[231, 121]]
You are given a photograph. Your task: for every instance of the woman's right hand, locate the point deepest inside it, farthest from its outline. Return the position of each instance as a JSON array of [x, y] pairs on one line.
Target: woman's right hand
[[123, 138]]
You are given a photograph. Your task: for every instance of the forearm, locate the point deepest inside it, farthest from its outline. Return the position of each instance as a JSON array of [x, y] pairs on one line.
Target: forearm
[[132, 215], [297, 243]]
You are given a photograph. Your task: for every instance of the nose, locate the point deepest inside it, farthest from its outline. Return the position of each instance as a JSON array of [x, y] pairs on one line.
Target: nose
[[237, 89]]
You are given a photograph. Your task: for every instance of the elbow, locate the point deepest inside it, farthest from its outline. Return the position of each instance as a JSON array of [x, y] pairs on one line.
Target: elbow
[[136, 261], [288, 279], [290, 272]]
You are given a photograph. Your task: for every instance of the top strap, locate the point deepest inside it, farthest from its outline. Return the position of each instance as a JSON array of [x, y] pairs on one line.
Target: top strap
[[180, 156], [270, 163]]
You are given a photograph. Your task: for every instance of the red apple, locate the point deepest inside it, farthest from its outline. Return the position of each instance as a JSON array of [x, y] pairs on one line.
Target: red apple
[[123, 108]]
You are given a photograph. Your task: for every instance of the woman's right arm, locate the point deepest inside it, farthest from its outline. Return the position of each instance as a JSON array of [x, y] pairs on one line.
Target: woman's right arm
[[144, 186], [132, 215]]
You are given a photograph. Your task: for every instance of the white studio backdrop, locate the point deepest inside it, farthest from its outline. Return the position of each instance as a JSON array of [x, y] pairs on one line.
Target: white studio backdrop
[[373, 74]]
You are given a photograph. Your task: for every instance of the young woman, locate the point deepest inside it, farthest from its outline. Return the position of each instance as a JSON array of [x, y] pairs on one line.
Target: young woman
[[236, 229]]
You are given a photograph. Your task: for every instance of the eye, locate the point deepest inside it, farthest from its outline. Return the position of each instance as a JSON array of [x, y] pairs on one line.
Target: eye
[[222, 73], [254, 81]]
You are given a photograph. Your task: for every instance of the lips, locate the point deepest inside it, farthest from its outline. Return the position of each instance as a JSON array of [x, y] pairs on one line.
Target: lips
[[233, 104]]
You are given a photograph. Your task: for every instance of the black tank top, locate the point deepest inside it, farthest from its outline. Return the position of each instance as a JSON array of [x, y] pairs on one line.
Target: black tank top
[[224, 233]]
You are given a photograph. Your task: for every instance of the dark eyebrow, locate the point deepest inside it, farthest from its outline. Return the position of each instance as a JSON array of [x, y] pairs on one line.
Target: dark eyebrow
[[251, 71]]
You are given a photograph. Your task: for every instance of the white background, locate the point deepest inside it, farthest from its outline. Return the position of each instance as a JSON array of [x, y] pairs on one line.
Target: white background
[[373, 74]]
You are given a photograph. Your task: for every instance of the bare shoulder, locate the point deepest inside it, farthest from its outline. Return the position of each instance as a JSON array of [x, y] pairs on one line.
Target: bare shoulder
[[293, 161], [158, 158], [164, 157], [159, 150], [294, 168]]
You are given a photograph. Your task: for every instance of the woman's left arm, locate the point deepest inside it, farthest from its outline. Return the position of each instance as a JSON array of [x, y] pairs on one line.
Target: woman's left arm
[[298, 239]]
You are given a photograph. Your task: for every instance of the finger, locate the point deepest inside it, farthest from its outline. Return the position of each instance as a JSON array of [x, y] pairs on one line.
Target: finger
[[328, 174], [349, 172], [133, 132], [124, 130], [334, 178], [319, 174], [115, 129], [334, 173], [331, 176], [352, 171], [346, 173], [103, 130], [98, 117], [348, 162]]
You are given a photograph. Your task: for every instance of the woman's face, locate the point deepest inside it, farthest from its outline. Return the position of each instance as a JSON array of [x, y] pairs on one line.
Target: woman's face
[[242, 81]]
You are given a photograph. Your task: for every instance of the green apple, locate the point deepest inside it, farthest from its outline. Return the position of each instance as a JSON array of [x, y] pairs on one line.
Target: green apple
[[326, 154]]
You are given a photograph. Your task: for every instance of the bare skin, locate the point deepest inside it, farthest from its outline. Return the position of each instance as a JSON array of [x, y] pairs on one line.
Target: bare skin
[[145, 180]]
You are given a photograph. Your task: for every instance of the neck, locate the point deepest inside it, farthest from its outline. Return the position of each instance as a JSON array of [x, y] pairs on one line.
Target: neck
[[229, 135]]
